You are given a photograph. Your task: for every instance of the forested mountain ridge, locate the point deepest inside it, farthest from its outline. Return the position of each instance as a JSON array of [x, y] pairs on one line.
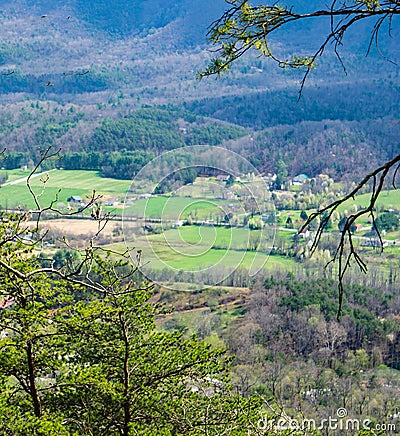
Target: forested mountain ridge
[[75, 64], [150, 50], [124, 18], [342, 149]]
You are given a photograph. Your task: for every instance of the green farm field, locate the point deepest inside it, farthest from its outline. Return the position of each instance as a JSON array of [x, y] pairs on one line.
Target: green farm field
[[387, 199], [14, 174], [198, 237], [177, 208], [192, 248], [70, 182], [161, 257]]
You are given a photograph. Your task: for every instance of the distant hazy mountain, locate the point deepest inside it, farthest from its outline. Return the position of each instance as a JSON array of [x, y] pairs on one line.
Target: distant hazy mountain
[[185, 21], [151, 50], [123, 18]]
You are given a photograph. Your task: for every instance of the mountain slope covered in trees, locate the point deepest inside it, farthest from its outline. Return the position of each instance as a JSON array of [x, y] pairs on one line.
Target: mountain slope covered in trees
[[151, 50], [78, 63]]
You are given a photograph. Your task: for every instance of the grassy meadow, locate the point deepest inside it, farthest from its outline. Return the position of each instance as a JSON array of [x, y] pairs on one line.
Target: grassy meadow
[[193, 248], [60, 183], [387, 200], [177, 208], [197, 236]]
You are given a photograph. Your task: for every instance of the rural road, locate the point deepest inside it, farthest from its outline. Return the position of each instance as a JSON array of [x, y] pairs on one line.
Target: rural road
[[24, 179]]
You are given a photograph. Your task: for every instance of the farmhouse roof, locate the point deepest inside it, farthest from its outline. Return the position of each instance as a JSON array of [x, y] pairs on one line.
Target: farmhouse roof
[[301, 178], [223, 177], [74, 198]]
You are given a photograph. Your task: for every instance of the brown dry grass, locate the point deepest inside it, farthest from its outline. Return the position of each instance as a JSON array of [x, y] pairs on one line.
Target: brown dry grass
[[76, 227]]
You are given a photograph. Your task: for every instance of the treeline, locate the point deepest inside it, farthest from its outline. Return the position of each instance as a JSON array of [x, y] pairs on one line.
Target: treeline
[[121, 147], [119, 165], [344, 150]]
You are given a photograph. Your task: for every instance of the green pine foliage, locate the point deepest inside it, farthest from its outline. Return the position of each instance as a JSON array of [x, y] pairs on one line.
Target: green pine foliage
[[81, 353]]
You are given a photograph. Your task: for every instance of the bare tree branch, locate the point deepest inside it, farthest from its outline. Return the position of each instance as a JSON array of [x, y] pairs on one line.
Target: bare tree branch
[[345, 250], [244, 27]]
